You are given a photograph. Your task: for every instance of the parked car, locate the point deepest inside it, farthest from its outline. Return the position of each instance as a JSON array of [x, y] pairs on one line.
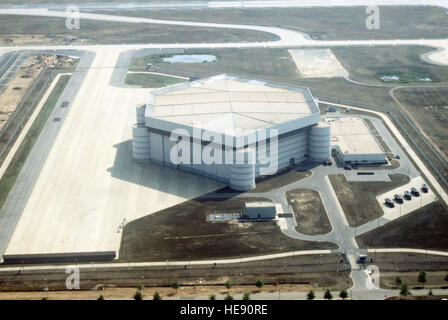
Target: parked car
[[415, 192], [398, 198], [389, 203], [407, 195], [347, 167], [424, 188]]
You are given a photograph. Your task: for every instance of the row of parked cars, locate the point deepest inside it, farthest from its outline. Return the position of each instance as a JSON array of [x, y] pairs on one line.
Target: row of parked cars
[[407, 195]]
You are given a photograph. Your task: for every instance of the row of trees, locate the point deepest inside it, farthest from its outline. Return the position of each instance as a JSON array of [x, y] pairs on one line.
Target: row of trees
[[343, 294]]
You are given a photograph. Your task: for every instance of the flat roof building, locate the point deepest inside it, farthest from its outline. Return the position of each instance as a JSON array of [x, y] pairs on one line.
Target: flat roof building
[[260, 210], [353, 141]]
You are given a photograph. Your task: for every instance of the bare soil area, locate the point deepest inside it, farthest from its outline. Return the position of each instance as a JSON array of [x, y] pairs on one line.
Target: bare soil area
[[309, 212]]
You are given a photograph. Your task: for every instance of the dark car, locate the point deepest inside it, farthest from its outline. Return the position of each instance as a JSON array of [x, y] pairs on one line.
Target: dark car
[[398, 198], [415, 191], [407, 195], [424, 188], [347, 167], [389, 203]]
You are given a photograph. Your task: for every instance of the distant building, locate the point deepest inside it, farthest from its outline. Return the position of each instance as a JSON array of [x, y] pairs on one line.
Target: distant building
[[260, 210]]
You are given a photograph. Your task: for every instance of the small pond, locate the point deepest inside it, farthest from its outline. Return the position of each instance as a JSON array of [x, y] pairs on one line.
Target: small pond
[[190, 58]]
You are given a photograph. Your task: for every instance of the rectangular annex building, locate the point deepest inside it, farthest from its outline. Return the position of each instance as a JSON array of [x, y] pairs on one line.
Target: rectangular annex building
[[354, 143]]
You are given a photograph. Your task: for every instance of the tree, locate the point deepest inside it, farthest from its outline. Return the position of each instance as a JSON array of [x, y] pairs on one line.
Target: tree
[[101, 297], [404, 290], [156, 296], [213, 297], [422, 278], [260, 283], [138, 295], [228, 297], [246, 296], [328, 295], [343, 294], [176, 286], [398, 281], [228, 286], [310, 295]]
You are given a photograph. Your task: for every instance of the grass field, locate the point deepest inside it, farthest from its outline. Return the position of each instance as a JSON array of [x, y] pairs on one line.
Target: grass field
[[44, 30], [151, 80], [183, 233], [358, 198], [425, 228], [430, 107], [337, 23], [19, 158], [309, 212], [269, 64]]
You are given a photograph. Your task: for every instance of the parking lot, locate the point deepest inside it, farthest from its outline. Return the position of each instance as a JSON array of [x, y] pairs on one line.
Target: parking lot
[[407, 205]]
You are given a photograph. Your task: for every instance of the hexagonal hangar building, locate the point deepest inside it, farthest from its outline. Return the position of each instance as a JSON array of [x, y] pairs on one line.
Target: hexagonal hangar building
[[230, 128]]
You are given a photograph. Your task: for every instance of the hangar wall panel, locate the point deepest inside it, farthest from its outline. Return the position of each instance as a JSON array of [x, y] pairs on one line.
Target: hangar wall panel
[[156, 141], [141, 146]]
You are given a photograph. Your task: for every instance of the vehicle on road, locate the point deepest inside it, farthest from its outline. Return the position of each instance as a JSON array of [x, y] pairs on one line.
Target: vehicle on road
[[397, 156], [347, 167]]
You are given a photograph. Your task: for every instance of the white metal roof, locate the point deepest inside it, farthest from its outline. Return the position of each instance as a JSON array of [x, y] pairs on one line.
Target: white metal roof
[[230, 104], [353, 136]]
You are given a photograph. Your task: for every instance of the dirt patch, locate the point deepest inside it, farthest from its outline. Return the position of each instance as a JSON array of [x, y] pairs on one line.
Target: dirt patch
[[358, 198], [309, 212], [24, 78], [317, 63]]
